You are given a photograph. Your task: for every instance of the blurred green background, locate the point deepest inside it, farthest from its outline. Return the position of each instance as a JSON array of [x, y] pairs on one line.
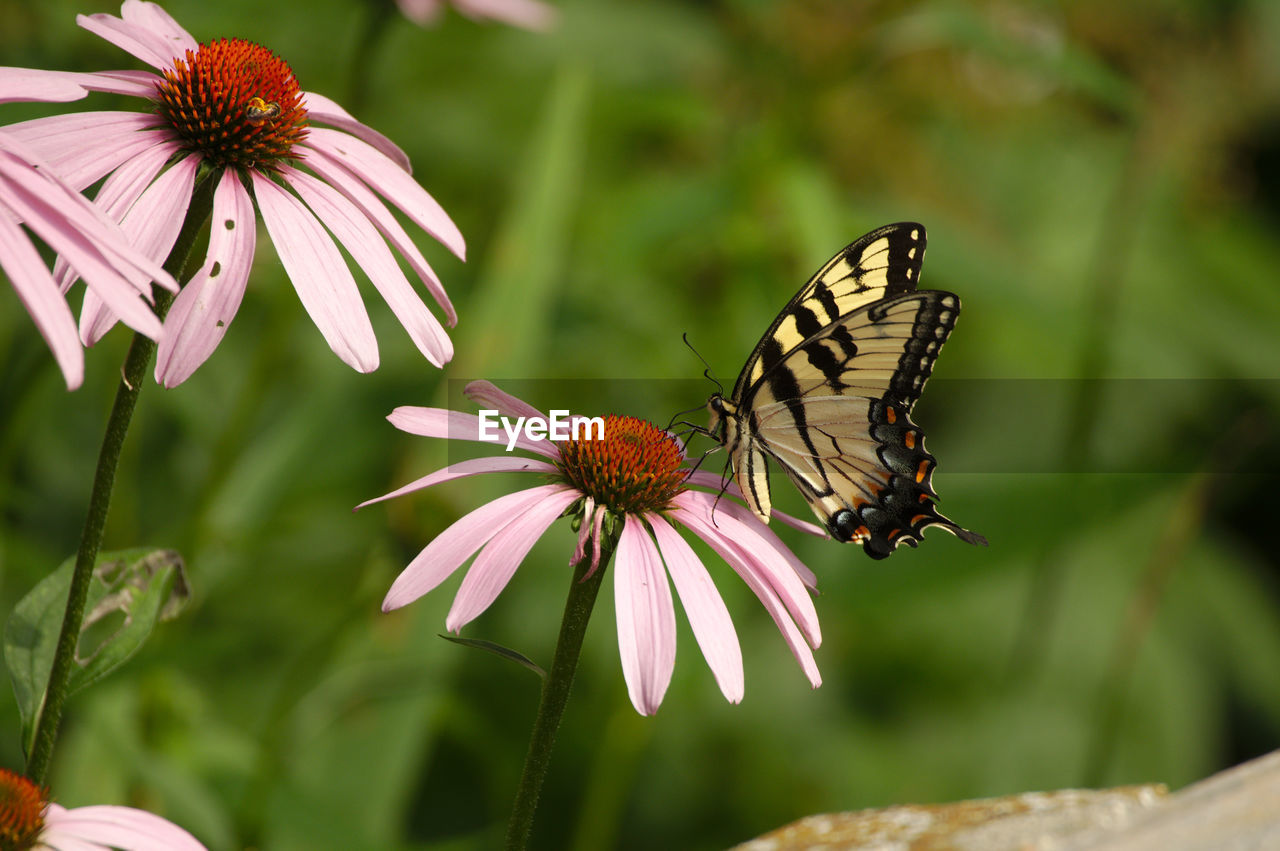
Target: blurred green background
[[1101, 185]]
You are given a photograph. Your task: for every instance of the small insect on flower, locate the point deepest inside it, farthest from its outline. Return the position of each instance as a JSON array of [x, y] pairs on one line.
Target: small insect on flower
[[627, 491], [260, 110]]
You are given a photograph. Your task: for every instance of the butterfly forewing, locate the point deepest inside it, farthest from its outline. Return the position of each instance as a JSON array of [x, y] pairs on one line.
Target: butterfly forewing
[[886, 349], [829, 389], [881, 264]]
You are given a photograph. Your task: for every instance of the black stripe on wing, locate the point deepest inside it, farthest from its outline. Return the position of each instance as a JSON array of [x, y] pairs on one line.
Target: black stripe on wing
[[881, 264], [934, 322], [884, 351]]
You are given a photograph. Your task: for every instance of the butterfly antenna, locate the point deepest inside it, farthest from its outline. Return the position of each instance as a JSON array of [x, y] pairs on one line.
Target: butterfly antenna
[[706, 373]]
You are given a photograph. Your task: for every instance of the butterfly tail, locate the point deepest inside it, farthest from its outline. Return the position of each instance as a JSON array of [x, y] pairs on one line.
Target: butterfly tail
[[904, 507]]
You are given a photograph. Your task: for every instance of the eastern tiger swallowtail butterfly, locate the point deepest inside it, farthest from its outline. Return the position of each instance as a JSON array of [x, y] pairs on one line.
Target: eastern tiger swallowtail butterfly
[[828, 392]]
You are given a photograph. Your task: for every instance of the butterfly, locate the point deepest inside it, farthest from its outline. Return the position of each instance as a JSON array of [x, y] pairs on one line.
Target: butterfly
[[828, 391]]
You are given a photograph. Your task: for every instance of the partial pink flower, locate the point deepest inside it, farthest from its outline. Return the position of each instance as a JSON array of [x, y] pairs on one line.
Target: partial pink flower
[[232, 111], [117, 274], [527, 14], [627, 472], [27, 820]]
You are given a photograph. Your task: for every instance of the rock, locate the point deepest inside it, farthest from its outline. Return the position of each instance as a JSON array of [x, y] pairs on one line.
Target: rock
[[1233, 810]]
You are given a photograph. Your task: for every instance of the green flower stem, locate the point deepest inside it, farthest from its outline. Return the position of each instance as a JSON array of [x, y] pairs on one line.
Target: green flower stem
[[132, 377], [555, 692]]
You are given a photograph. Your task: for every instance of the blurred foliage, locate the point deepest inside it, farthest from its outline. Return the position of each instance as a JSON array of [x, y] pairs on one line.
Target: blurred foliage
[[1101, 184]]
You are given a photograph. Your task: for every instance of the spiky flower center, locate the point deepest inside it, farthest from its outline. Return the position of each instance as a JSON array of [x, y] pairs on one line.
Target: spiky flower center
[[236, 103], [22, 807], [633, 469]]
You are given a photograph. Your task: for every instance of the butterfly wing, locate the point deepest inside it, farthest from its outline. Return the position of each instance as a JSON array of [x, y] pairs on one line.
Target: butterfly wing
[[829, 388], [835, 414], [881, 264]]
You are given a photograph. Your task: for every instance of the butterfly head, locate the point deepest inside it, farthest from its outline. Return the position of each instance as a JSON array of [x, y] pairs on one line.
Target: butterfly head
[[721, 418]]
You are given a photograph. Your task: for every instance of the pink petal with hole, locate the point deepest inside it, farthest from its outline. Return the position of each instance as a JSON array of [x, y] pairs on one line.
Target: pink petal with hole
[[99, 827], [708, 616], [319, 274], [203, 311], [462, 469], [504, 552], [367, 247], [349, 185], [646, 618], [40, 295], [328, 111], [446, 553], [389, 180]]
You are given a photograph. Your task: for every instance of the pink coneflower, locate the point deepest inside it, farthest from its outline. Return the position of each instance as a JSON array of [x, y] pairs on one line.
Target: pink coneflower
[[632, 477], [233, 110], [528, 14], [32, 195], [27, 820]]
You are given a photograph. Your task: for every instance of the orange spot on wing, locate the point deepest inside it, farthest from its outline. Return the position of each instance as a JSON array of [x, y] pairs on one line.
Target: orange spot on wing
[[891, 415], [910, 440], [922, 471]]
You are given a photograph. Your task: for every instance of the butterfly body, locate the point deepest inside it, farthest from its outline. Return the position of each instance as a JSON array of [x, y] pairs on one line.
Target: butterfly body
[[828, 391]]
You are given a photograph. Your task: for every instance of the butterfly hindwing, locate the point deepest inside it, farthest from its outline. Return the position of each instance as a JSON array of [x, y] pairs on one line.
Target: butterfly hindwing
[[829, 389]]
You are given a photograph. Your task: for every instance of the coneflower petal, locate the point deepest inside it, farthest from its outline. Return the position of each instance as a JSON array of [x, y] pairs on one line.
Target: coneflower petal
[[646, 618], [504, 552], [708, 615]]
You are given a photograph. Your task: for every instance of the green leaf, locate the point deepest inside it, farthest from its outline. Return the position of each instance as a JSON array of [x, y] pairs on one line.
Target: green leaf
[[498, 650], [130, 591]]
